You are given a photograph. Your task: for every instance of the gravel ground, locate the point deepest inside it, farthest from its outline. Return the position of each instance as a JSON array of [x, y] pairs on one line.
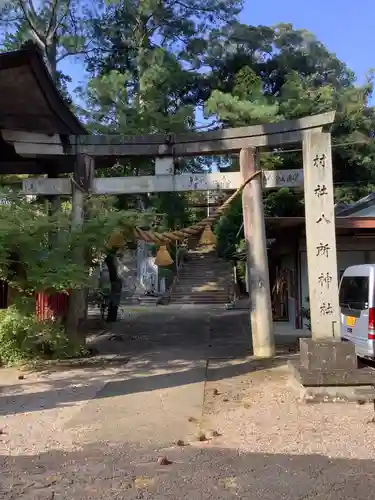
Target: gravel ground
[[269, 446], [258, 412]]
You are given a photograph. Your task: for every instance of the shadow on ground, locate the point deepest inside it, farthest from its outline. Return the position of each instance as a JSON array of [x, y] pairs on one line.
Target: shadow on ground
[[59, 394], [103, 472], [166, 349]]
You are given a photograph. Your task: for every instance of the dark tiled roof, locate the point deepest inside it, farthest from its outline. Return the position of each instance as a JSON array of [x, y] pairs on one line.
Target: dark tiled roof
[[348, 210]]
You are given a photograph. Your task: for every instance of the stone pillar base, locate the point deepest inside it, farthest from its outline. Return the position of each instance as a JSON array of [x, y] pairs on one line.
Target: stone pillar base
[[328, 371]]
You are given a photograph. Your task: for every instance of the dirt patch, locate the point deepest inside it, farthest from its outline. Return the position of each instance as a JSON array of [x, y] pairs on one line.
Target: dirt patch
[[258, 411]]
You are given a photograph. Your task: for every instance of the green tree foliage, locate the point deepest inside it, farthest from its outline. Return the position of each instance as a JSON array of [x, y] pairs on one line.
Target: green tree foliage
[[141, 59], [268, 74], [228, 230], [57, 27], [265, 74], [175, 210], [143, 79], [246, 104], [30, 264], [283, 202]]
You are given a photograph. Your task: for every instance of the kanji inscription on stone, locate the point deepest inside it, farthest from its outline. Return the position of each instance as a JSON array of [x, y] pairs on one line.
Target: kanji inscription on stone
[[320, 235], [322, 249], [323, 218], [320, 190], [326, 309], [319, 160], [324, 279]]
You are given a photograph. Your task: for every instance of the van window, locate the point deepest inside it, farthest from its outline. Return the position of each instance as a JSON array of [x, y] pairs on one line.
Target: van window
[[354, 292]]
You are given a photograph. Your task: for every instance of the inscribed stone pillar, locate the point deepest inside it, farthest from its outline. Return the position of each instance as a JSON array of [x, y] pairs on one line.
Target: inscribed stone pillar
[[257, 261], [321, 235]]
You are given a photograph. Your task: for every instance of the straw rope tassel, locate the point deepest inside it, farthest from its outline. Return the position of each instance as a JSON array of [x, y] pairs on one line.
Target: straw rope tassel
[[207, 237], [172, 236], [163, 257]]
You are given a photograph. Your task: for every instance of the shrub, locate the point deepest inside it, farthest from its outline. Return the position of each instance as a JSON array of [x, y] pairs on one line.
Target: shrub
[[23, 337]]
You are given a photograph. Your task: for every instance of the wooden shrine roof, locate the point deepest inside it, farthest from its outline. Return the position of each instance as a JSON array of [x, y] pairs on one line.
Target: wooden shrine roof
[[29, 99]]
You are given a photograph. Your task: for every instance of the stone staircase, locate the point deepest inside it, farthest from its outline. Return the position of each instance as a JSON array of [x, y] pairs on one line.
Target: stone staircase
[[204, 279]]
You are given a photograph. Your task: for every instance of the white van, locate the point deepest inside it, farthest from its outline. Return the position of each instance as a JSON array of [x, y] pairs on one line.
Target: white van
[[357, 304]]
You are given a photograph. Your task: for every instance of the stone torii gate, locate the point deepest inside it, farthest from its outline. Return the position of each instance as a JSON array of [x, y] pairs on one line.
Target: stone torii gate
[[316, 175]]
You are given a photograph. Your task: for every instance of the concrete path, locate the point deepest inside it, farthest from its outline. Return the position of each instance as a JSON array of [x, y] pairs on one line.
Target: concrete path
[[159, 398], [149, 406]]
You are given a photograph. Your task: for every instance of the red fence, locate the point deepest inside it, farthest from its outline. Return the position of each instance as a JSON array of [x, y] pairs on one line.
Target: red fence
[[48, 305], [51, 306]]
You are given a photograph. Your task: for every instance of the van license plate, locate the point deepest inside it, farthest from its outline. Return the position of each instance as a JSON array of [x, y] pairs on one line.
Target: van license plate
[[350, 320]]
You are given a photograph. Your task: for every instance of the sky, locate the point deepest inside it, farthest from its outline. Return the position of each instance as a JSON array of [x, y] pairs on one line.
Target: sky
[[346, 27]]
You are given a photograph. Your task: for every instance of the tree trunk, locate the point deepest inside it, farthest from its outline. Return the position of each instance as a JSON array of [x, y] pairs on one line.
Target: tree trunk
[[83, 178], [51, 55], [76, 300], [116, 287]]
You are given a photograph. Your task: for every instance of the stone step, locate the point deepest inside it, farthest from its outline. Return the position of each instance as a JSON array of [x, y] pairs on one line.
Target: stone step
[[192, 265], [203, 287], [208, 293], [205, 279], [200, 300], [200, 296], [202, 282], [199, 289], [188, 297], [192, 291], [205, 275], [206, 266], [146, 300], [204, 262], [204, 272], [206, 259]]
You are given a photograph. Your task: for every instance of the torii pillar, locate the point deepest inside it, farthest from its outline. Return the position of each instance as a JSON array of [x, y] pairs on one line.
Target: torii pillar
[[263, 341]]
